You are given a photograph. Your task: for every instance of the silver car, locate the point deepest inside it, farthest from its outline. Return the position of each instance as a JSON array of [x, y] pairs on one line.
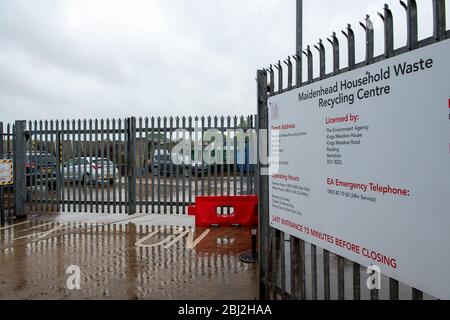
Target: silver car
[[89, 170]]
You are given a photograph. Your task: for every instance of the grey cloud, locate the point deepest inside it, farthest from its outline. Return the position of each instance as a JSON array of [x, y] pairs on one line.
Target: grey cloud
[[155, 57]]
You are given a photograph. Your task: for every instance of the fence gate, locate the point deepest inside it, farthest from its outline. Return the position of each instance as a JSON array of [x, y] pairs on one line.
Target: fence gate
[[124, 165], [291, 268]]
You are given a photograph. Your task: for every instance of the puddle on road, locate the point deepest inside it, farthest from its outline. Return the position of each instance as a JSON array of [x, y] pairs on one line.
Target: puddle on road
[[35, 254]]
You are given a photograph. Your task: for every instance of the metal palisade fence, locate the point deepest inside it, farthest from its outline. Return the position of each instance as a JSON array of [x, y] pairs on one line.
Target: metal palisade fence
[[291, 268], [129, 165], [7, 197]]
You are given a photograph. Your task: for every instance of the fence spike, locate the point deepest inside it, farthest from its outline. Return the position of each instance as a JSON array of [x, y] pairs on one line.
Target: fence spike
[[309, 57], [267, 75], [388, 31], [272, 80], [279, 68], [412, 24], [289, 66], [298, 68], [350, 35], [368, 27], [336, 49], [320, 47], [439, 19]]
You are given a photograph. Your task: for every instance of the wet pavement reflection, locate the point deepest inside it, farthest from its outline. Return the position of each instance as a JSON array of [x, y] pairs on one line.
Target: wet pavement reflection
[[175, 260]]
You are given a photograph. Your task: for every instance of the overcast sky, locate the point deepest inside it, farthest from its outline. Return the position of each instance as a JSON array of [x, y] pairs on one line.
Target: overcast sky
[[116, 58]]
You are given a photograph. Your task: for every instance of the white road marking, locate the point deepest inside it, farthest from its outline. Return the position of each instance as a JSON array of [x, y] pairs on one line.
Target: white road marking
[[181, 236], [41, 235], [173, 239], [14, 225], [191, 244], [38, 226], [140, 245], [141, 241], [141, 219], [44, 234], [169, 238]]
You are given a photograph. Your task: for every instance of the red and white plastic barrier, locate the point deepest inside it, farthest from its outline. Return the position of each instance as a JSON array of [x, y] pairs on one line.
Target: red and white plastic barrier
[[225, 211]]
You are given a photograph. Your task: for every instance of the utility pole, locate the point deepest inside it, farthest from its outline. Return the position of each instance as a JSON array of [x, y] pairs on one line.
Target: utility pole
[[299, 33]]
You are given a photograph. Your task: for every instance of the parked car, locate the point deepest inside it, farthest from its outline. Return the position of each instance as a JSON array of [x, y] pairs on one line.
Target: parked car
[[89, 170], [164, 163], [40, 168]]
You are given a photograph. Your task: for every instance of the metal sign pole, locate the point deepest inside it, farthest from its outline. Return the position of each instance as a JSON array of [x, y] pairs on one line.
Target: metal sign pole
[[299, 33]]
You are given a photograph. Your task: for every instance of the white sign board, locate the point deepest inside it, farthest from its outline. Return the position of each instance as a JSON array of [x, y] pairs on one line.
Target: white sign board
[[364, 166], [6, 172]]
